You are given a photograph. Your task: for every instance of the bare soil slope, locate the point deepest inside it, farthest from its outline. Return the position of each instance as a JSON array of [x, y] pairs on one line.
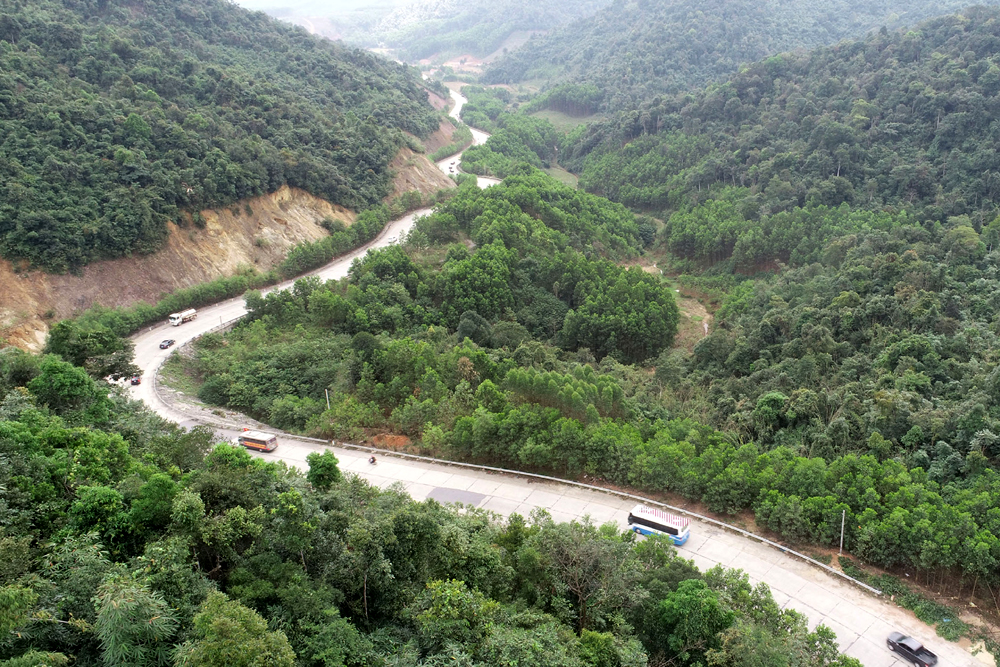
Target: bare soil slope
[[232, 237], [415, 172]]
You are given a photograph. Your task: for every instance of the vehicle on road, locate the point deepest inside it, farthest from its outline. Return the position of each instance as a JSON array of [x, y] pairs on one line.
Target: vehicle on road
[[166, 343], [911, 650], [177, 319], [136, 379], [651, 521], [391, 239], [258, 440]]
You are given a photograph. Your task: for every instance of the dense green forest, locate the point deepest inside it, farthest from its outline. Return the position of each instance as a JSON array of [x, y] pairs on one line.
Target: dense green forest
[[515, 138], [118, 115], [128, 542], [858, 381], [634, 50], [477, 27], [898, 121], [539, 267]]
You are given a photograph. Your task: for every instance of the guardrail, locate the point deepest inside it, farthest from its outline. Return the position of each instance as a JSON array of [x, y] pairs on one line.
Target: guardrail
[[519, 473]]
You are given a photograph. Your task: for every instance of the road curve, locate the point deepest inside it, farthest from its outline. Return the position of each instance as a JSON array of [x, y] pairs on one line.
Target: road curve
[[860, 620], [450, 165], [148, 354]]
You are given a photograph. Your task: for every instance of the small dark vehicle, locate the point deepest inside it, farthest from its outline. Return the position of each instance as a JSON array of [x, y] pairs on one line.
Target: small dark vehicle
[[136, 379], [167, 343], [911, 650]]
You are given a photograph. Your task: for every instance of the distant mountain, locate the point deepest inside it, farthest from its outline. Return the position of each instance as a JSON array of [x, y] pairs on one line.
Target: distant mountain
[[116, 115], [635, 49], [477, 27], [902, 120]]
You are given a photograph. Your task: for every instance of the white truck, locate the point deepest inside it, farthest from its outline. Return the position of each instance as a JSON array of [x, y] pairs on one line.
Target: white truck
[[177, 319]]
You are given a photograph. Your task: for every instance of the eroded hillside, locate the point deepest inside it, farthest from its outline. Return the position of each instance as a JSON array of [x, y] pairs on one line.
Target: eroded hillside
[[255, 232]]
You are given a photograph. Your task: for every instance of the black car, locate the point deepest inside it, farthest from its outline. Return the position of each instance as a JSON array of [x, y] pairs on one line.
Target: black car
[[167, 343], [911, 650], [136, 379]]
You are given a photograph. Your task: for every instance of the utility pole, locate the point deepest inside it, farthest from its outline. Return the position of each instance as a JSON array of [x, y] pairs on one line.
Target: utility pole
[[328, 407], [843, 516]]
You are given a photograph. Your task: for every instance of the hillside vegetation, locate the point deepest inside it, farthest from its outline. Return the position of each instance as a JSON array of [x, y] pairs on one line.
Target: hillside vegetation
[[633, 50], [116, 116], [898, 121], [478, 27], [128, 542], [860, 382]]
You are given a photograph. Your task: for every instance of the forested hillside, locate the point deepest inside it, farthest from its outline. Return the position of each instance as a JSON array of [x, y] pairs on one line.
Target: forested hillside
[[127, 542], [478, 27], [116, 116], [634, 50], [858, 382], [515, 139], [901, 120]]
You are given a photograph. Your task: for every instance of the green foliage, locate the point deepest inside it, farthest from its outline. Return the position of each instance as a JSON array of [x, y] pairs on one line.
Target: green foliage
[[572, 394], [630, 316], [312, 254], [573, 99], [516, 139], [117, 119], [460, 138], [96, 348], [323, 471], [449, 613], [484, 106], [692, 616], [134, 625], [151, 551], [629, 52], [472, 27], [814, 129], [228, 634], [37, 659], [68, 390]]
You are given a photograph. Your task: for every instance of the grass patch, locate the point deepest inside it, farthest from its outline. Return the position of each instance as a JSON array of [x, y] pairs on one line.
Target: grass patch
[[563, 121], [563, 176], [174, 374]]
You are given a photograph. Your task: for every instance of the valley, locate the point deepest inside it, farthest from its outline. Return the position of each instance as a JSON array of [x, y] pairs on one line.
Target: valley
[[416, 333]]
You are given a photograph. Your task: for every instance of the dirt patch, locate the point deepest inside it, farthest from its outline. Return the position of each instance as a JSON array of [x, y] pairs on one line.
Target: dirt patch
[[231, 238], [437, 101], [440, 138], [257, 232], [695, 324], [396, 443], [413, 171]]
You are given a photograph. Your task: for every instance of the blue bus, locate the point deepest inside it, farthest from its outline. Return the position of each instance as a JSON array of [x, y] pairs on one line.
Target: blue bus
[[651, 521]]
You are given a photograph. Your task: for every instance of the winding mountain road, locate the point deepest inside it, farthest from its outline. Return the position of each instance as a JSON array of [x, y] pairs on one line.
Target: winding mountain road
[[860, 620]]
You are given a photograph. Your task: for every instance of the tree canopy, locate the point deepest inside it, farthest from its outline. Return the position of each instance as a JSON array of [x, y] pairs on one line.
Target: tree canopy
[[899, 120], [117, 116], [629, 52], [129, 541]]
